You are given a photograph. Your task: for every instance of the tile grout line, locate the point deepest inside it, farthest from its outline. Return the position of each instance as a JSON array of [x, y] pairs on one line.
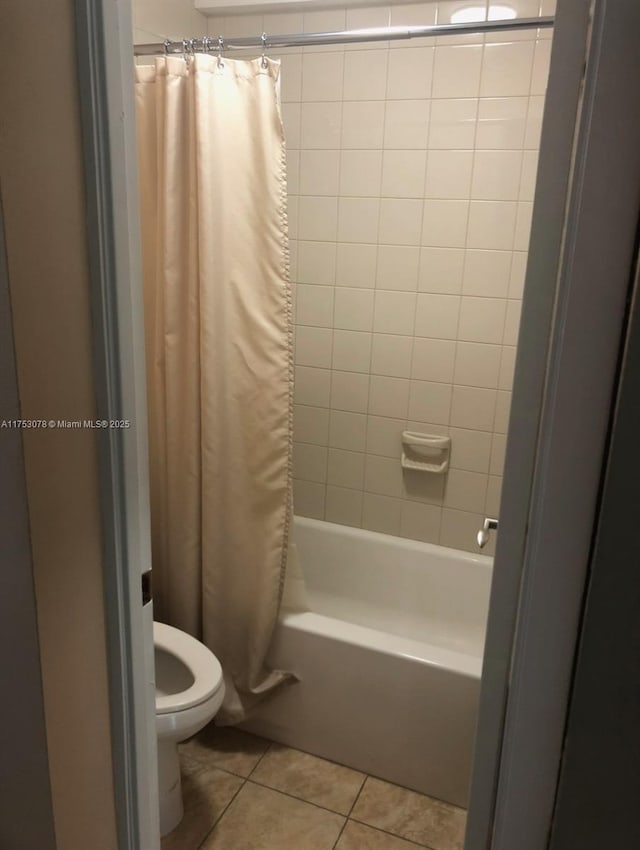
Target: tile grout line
[[222, 813], [348, 816], [245, 779]]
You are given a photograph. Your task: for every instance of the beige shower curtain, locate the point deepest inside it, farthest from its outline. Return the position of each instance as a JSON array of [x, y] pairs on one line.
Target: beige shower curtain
[[219, 355]]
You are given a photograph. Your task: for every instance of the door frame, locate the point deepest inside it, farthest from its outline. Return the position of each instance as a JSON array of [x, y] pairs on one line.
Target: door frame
[[105, 76], [577, 287], [551, 460]]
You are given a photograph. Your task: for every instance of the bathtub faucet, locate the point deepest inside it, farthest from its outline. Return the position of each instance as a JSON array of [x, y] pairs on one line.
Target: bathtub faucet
[[483, 534]]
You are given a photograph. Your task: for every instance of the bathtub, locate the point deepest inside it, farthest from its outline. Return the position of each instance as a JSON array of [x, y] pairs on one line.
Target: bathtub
[[388, 658]]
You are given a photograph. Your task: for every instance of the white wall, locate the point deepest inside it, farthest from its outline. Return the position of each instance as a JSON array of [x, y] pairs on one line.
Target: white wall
[[155, 20]]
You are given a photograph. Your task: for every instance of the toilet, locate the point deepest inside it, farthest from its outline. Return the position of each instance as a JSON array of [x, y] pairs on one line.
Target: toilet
[[189, 692]]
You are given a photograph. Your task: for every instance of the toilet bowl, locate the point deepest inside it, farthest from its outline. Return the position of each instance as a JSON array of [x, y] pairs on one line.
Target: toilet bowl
[[189, 692]]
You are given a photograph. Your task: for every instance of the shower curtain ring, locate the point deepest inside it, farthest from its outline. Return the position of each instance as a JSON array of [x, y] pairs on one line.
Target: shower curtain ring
[[220, 49], [167, 46], [206, 44], [263, 39]]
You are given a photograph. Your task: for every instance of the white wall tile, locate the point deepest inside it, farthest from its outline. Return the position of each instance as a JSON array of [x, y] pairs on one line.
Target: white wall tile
[[314, 305], [441, 270], [291, 116], [381, 513], [506, 69], [453, 124], [353, 309], [351, 351], [482, 319], [411, 175], [473, 408], [498, 448], [361, 173], [384, 436], [503, 409], [394, 312], [448, 174], [317, 218], [494, 492], [534, 122], [397, 267], [406, 124], [477, 365], [391, 355], [344, 506], [356, 265], [492, 225], [347, 430], [523, 226], [322, 76], [319, 172], [420, 522], [358, 219], [456, 71], [320, 125], [507, 366], [470, 450], [365, 75], [383, 475], [430, 402], [487, 273], [444, 223], [291, 78], [465, 491], [501, 123], [403, 173], [363, 124], [512, 322], [433, 360], [410, 74], [458, 529], [388, 396], [311, 424], [518, 273], [308, 499], [437, 316], [313, 347], [529, 175], [293, 172], [496, 175], [312, 386], [310, 462], [541, 61], [346, 469], [400, 221], [316, 263], [349, 391]]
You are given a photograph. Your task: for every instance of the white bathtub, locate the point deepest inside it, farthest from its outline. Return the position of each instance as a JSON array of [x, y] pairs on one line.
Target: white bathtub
[[388, 658]]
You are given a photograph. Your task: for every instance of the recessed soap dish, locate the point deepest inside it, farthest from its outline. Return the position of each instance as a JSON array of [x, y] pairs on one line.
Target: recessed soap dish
[[425, 452]]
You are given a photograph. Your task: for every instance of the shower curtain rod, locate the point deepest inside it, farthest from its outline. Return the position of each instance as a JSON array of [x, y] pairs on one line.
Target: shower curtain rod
[[211, 45]]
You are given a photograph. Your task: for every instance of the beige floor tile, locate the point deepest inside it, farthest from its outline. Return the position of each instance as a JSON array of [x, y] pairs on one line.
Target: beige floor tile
[[226, 748], [357, 836], [410, 815], [206, 792], [262, 819], [314, 779]]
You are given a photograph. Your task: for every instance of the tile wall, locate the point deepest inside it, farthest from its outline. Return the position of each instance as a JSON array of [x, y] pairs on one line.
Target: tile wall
[[411, 169]]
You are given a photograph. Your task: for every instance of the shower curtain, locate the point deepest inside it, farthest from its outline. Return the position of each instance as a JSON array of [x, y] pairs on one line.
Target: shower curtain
[[219, 355]]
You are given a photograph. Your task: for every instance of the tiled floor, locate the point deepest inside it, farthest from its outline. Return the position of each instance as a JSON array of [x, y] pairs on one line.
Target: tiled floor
[[245, 793]]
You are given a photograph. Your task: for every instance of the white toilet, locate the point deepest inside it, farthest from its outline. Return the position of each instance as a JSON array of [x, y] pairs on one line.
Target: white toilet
[[189, 692]]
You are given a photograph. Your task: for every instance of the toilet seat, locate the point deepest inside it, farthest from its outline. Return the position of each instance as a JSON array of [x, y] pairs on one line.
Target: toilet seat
[[199, 661]]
